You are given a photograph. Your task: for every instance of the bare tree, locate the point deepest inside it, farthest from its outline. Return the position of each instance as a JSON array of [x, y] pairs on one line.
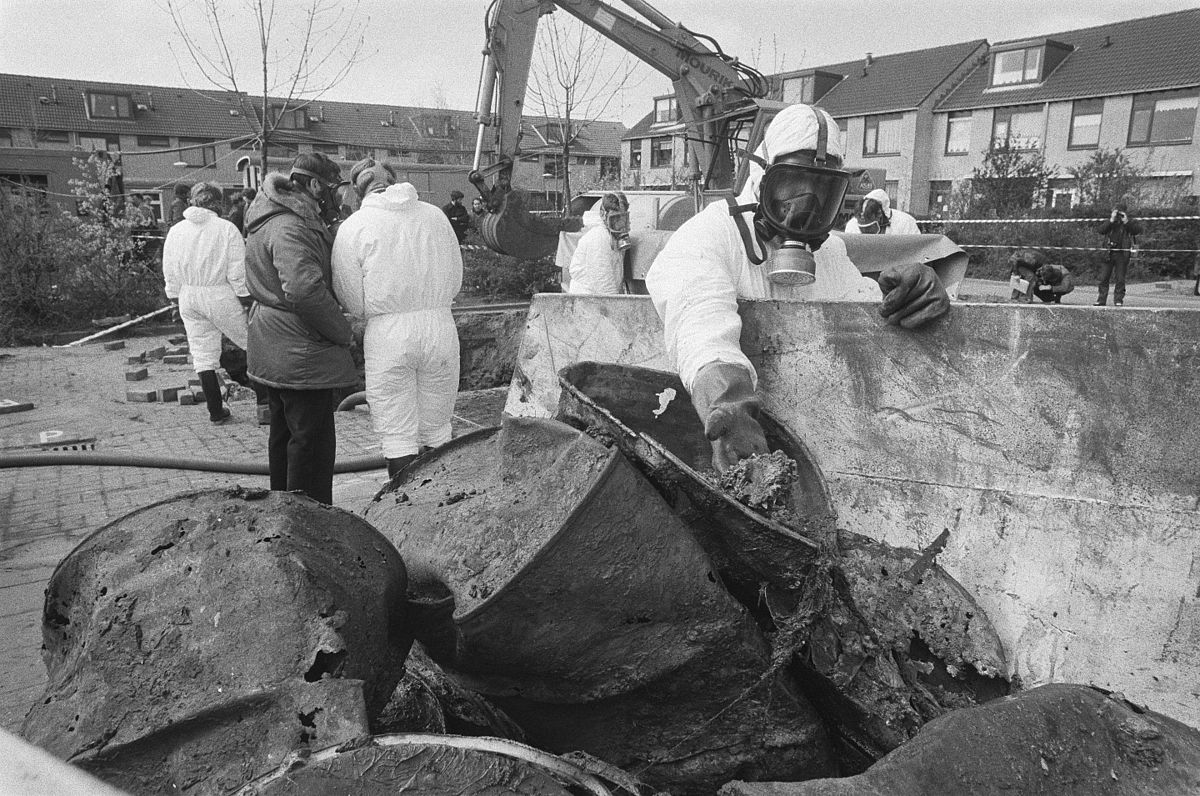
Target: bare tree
[[576, 75], [300, 54]]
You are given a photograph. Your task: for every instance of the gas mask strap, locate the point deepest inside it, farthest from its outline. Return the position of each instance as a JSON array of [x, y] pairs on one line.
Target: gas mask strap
[[748, 239], [822, 139]]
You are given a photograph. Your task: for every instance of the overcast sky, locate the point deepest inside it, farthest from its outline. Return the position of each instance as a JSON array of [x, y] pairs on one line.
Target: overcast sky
[[419, 50]]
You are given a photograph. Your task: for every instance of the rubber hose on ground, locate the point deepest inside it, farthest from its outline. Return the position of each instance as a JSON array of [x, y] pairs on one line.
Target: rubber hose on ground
[[350, 401], [89, 459]]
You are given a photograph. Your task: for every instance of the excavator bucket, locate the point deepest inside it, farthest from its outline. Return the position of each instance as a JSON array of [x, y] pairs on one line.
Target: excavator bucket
[[515, 231]]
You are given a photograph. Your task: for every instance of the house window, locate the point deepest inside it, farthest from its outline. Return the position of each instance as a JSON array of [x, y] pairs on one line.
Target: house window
[[660, 152], [892, 187], [1165, 117], [108, 106], [666, 110], [53, 137], [1085, 123], [195, 153], [1016, 66], [610, 168], [882, 135], [939, 198], [585, 160], [153, 141], [842, 128], [434, 126], [635, 155], [6, 137], [354, 153], [552, 165], [1017, 128], [28, 189], [958, 133], [289, 118], [327, 149], [101, 143], [798, 89]]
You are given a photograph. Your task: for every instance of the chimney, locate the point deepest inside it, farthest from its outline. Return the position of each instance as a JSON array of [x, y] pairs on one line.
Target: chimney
[[150, 98], [867, 64], [1107, 41], [53, 94], [870, 60]]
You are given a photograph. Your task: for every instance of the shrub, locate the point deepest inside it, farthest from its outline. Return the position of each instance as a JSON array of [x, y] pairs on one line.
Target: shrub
[[58, 270], [489, 275]]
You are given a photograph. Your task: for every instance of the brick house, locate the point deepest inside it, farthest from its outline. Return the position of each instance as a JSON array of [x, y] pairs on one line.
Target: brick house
[[167, 135], [928, 116]]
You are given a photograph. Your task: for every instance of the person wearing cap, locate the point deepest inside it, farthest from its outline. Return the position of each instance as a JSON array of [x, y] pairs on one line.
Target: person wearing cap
[[204, 269], [771, 242], [397, 265], [460, 219], [876, 217], [597, 266], [299, 340]]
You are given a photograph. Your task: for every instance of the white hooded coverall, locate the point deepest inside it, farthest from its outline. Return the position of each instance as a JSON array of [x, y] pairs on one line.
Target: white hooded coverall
[[596, 267], [204, 267], [899, 222], [703, 269], [396, 263]]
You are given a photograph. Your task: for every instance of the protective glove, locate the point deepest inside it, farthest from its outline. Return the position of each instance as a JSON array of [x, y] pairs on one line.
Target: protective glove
[[723, 395], [912, 295]]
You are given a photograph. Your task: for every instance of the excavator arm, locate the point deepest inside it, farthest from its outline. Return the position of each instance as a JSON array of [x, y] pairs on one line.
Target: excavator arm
[[712, 89]]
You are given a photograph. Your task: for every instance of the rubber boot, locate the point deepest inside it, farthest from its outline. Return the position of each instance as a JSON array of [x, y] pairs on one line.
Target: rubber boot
[[262, 403], [217, 412], [398, 464]]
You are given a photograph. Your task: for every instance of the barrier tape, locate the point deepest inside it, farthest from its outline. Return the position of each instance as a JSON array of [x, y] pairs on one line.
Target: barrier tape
[[1141, 219], [1140, 250]]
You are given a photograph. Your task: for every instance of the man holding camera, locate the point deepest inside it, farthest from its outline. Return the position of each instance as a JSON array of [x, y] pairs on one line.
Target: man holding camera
[[1119, 232]]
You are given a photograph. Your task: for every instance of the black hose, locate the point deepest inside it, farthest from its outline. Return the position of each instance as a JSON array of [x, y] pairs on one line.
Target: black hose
[[91, 459], [352, 400]]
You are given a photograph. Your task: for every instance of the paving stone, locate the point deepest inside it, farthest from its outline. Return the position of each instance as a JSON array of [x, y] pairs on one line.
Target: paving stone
[[156, 353], [136, 360], [141, 396], [136, 375], [166, 394], [8, 406], [177, 350], [177, 339], [115, 345], [175, 359], [186, 399]]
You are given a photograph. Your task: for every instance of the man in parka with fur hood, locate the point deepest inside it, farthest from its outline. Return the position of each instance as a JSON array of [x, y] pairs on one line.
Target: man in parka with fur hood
[[299, 341]]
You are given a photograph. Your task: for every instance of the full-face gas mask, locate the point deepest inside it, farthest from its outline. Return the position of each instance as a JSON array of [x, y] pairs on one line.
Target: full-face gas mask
[[799, 199], [872, 220], [615, 210], [325, 196]]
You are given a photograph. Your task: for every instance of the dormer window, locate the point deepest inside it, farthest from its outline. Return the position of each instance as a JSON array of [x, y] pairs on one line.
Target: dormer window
[[289, 118], [1017, 66], [552, 132], [1027, 62], [108, 106], [434, 126], [666, 110]]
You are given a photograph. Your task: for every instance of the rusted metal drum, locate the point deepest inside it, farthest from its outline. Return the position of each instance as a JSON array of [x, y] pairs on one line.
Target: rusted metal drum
[[193, 643], [590, 613], [517, 232]]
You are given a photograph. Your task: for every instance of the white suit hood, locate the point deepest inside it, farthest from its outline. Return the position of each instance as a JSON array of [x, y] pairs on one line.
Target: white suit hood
[[795, 127], [881, 196], [198, 215], [397, 197]]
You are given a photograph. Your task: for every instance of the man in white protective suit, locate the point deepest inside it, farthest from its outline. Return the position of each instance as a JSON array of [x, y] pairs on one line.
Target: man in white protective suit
[[773, 242], [204, 268], [876, 217], [397, 264]]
